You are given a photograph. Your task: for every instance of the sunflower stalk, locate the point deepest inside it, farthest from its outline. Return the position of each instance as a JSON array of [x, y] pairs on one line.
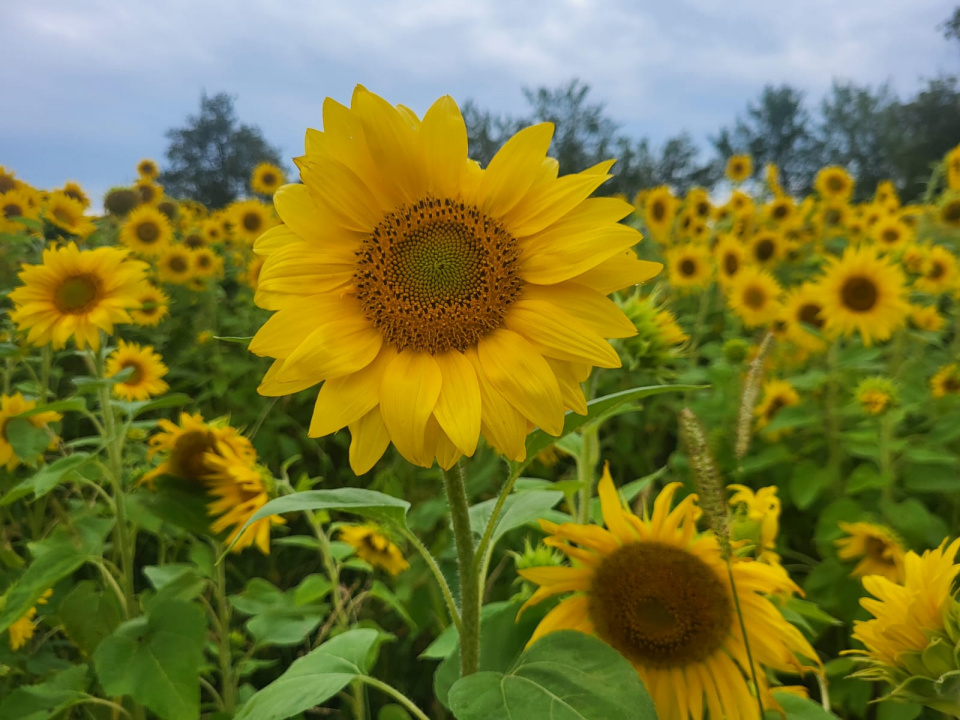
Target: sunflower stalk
[[713, 496], [228, 680], [454, 482], [748, 399]]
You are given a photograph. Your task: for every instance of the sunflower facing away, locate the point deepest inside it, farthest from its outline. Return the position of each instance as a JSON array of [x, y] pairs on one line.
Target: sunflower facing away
[[877, 547], [68, 214], [437, 301], [148, 371], [266, 179], [146, 231], [660, 593], [10, 407], [373, 546], [76, 294]]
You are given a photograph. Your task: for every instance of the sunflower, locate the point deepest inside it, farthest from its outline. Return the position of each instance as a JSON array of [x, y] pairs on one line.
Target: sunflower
[[952, 162], [689, 266], [75, 191], [185, 447], [777, 394], [754, 296], [266, 179], [67, 214], [949, 212], [833, 217], [14, 206], [148, 170], [729, 255], [876, 395], [120, 201], [662, 595], [767, 248], [175, 265], [148, 369], [740, 202], [154, 305], [772, 175], [76, 294], [803, 319], [914, 257], [780, 210], [863, 293], [886, 195], [658, 213], [8, 180], [878, 548], [252, 273], [873, 214], [940, 272], [946, 381], [756, 519], [206, 263], [194, 239], [212, 231], [473, 297], [891, 233], [250, 219], [927, 317], [10, 407], [240, 488], [150, 193], [834, 184], [146, 231], [698, 203], [739, 168], [23, 629], [170, 208], [373, 546]]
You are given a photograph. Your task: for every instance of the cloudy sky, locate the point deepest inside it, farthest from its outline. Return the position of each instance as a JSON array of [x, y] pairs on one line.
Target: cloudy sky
[[90, 86]]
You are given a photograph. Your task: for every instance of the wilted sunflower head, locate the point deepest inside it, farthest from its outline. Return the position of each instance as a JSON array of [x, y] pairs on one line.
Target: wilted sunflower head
[[120, 201]]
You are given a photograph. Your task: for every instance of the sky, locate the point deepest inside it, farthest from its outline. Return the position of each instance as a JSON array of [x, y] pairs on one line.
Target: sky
[[89, 87]]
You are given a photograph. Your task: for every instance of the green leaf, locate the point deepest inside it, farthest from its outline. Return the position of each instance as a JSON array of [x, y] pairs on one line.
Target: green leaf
[[809, 480], [278, 617], [864, 477], [314, 678], [133, 409], [519, 509], [238, 340], [930, 456], [566, 675], [46, 478], [47, 699], [174, 581], [76, 404], [597, 411], [155, 659], [366, 503], [385, 595], [393, 712], [27, 441], [798, 708], [88, 615], [923, 478]]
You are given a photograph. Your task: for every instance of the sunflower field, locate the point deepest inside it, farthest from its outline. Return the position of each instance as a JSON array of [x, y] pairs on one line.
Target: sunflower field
[[416, 438]]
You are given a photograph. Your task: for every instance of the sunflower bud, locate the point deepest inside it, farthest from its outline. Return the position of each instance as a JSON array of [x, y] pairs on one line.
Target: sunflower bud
[[735, 350]]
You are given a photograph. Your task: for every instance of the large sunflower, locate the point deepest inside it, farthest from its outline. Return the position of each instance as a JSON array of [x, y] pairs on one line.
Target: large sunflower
[[146, 231], [863, 293], [659, 210], [689, 266], [436, 300], [877, 547], [754, 296], [661, 594], [266, 179], [10, 407], [148, 369], [834, 183], [154, 306], [76, 294]]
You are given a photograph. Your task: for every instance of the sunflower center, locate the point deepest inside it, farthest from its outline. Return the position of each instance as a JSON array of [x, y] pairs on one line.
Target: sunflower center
[[776, 405], [73, 194], [375, 542], [658, 211], [832, 216], [148, 232], [754, 298], [203, 261], [147, 193], [77, 294], [951, 384], [764, 249], [193, 241], [936, 270], [150, 307], [951, 213], [12, 210], [659, 605], [252, 222], [186, 457], [780, 212], [268, 178], [809, 314], [688, 267], [835, 183], [437, 275], [703, 208], [137, 375], [731, 263], [7, 183], [890, 236], [859, 294]]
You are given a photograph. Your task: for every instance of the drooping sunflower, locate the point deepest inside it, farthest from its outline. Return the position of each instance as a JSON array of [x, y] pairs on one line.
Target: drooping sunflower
[[67, 214], [767, 248], [877, 547], [148, 371], [266, 179], [803, 319], [148, 169], [739, 168], [756, 519], [206, 263], [436, 300], [834, 183], [876, 395], [75, 190], [940, 272], [250, 219], [10, 407], [754, 295], [120, 201], [729, 255], [154, 305], [660, 593], [175, 265], [891, 233], [14, 206], [689, 266], [184, 447], [146, 231], [659, 212], [777, 394], [76, 294], [863, 293], [373, 546], [946, 381]]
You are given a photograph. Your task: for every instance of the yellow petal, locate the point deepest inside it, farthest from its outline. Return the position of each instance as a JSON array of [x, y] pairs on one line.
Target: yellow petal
[[458, 407], [368, 441], [570, 389], [444, 137], [564, 616], [334, 349], [346, 399], [513, 169], [503, 427], [408, 394], [621, 271], [612, 508], [600, 313], [563, 253], [280, 335], [558, 334], [337, 189], [270, 387]]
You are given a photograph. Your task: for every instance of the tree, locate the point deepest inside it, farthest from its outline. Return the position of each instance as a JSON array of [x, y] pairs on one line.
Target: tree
[[212, 157]]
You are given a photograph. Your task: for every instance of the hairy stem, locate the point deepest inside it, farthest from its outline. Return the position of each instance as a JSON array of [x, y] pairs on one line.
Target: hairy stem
[[454, 481]]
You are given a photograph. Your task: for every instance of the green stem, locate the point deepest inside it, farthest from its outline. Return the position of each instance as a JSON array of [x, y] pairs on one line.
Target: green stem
[[833, 418], [438, 576], [46, 357], [485, 548], [706, 300], [228, 683], [886, 454], [454, 482], [333, 571], [746, 640], [586, 467], [396, 695]]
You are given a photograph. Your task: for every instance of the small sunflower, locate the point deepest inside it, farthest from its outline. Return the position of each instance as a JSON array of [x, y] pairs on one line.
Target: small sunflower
[[756, 519], [8, 180], [146, 231], [876, 395], [23, 629], [76, 294], [68, 214], [148, 369], [184, 447], [373, 546], [877, 547], [150, 193], [834, 183], [698, 203], [777, 394], [754, 296], [170, 208], [886, 195], [266, 179], [833, 217], [250, 219], [927, 317], [863, 293], [175, 265], [662, 595], [739, 168], [10, 407], [194, 239], [802, 316], [206, 263], [689, 266], [659, 212], [772, 175], [914, 257], [949, 211], [952, 162], [940, 272], [212, 231], [780, 211], [148, 170], [946, 381], [14, 206], [729, 255], [767, 248], [740, 202], [154, 306], [75, 191], [891, 233]]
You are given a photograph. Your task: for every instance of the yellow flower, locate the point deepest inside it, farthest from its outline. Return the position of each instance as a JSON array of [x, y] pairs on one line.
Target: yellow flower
[[175, 265], [154, 305], [767, 248], [68, 214], [212, 231], [953, 168], [252, 274], [206, 263], [148, 369], [887, 195], [689, 266], [940, 272], [949, 213], [658, 213], [266, 179], [184, 447], [16, 205], [148, 170], [946, 381], [8, 180], [729, 255], [661, 594], [863, 293], [739, 168], [150, 193], [834, 217], [474, 298], [757, 519], [891, 233], [76, 294], [802, 315], [75, 191], [777, 394], [22, 630], [146, 231], [120, 201], [926, 317], [877, 547], [876, 395], [204, 336], [754, 296], [250, 219], [10, 407], [374, 547], [780, 210], [834, 183], [670, 331]]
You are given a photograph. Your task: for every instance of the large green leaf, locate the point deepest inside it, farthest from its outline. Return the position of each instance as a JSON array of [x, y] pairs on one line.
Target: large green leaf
[[597, 411], [314, 678], [366, 503], [75, 404], [133, 409], [566, 675], [155, 659], [88, 615], [47, 699], [27, 441], [282, 618], [519, 509], [46, 478], [798, 708]]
